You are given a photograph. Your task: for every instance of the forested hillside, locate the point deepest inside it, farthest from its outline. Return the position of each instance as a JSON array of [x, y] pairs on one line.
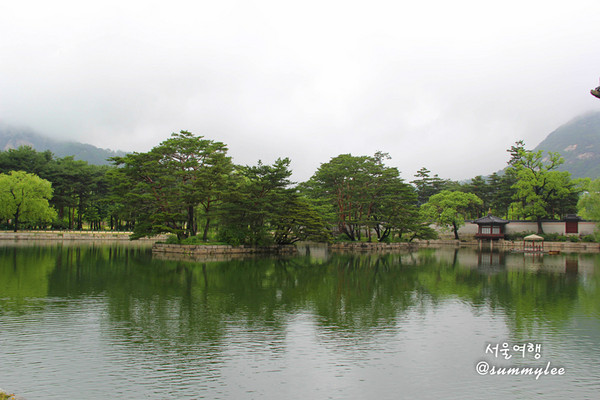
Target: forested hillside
[[578, 142], [13, 138]]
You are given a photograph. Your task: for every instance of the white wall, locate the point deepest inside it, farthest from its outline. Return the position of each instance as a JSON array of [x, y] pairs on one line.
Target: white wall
[[585, 227]]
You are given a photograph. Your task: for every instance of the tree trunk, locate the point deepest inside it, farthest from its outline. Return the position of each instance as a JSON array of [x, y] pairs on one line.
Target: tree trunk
[[385, 234], [206, 226], [16, 221], [455, 230], [191, 222], [539, 226]]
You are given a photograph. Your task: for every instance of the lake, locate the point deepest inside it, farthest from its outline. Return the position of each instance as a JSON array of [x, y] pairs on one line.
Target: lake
[[98, 320]]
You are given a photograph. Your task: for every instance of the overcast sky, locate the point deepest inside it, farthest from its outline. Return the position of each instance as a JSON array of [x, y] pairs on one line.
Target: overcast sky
[[447, 85]]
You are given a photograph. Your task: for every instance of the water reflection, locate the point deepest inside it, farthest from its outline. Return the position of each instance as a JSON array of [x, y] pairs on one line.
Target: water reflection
[[345, 291], [195, 326]]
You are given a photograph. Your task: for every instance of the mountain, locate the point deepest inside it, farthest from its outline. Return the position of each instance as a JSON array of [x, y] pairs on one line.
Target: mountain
[[578, 142], [12, 138]]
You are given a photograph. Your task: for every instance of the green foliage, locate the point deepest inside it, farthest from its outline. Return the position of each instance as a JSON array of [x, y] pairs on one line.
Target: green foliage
[[198, 240], [502, 192], [262, 209], [450, 209], [517, 236], [188, 187], [24, 198], [540, 190], [361, 196], [164, 186], [172, 239], [79, 190], [588, 205], [85, 152], [554, 237], [422, 232], [427, 186]]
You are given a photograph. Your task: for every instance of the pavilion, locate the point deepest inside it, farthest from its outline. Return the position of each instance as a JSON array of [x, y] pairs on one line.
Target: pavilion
[[490, 227]]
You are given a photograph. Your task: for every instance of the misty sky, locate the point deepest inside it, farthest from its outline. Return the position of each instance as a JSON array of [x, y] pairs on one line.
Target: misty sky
[[448, 85]]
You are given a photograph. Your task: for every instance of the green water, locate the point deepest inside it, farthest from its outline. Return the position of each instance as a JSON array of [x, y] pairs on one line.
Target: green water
[[89, 321]]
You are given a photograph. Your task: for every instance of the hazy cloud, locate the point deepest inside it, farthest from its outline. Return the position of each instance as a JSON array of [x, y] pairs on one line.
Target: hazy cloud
[[447, 85]]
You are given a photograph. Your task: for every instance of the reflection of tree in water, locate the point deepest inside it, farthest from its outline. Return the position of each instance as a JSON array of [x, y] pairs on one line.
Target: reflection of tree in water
[[182, 305], [24, 278]]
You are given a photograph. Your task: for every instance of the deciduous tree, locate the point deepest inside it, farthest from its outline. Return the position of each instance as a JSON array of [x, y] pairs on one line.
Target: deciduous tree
[[24, 198], [450, 209], [541, 190], [589, 202]]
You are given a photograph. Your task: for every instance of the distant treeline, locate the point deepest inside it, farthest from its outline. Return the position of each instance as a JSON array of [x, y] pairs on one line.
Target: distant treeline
[[188, 186]]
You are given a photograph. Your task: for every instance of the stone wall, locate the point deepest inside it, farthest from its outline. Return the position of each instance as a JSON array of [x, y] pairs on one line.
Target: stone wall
[[551, 246], [362, 246], [585, 228], [70, 235], [189, 249]]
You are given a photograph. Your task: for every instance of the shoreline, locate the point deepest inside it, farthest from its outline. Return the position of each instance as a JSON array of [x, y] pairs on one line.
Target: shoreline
[[70, 235], [25, 236], [201, 250]]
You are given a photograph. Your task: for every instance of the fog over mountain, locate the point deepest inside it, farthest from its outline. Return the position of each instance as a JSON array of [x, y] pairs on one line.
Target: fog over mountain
[[578, 142], [13, 138], [446, 85]]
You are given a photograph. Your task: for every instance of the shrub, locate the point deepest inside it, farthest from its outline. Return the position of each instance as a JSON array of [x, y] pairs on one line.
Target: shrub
[[589, 239], [172, 239], [554, 237], [517, 236], [197, 240], [230, 236]]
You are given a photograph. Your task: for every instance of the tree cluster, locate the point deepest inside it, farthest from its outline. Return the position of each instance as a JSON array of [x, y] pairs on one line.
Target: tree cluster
[[80, 192], [188, 186], [530, 188], [364, 198]]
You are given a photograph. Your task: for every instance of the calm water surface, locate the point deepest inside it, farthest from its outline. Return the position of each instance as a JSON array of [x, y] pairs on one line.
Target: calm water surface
[[89, 321]]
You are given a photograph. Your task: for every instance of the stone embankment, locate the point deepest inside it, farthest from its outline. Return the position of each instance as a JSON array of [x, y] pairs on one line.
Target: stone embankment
[[372, 246], [68, 235], [551, 246], [500, 244], [199, 250], [514, 245]]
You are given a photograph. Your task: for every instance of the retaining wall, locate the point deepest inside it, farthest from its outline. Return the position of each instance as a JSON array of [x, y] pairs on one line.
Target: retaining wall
[[221, 249], [70, 235], [362, 246], [517, 245], [498, 244]]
